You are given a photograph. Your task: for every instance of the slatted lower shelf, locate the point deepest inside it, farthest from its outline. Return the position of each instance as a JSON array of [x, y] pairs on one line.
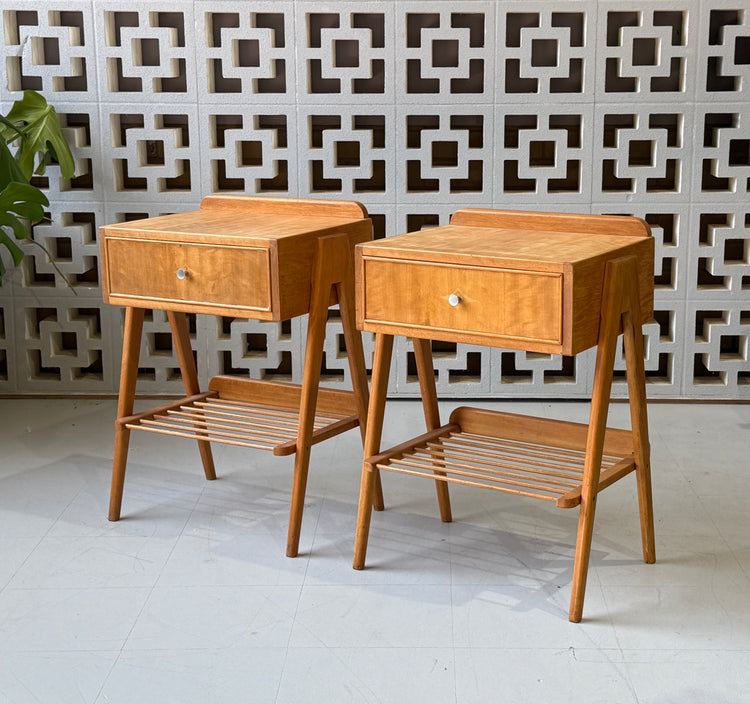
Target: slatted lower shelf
[[538, 468], [248, 421]]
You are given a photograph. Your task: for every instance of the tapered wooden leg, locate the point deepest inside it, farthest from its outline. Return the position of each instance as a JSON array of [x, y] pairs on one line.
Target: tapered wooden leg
[[605, 357], [633, 339], [357, 368], [426, 372], [131, 347], [326, 261], [381, 367], [181, 338]]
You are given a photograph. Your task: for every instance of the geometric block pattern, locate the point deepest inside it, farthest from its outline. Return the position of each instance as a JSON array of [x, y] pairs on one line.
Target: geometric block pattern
[[644, 52], [722, 160], [348, 154], [446, 55], [544, 153], [548, 51], [146, 54], [415, 109], [720, 355], [443, 153], [345, 54], [48, 48], [723, 54], [62, 347], [249, 152], [642, 153], [247, 49]]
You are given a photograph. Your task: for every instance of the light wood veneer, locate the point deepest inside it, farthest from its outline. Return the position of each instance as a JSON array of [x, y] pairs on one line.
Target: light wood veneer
[[554, 283]]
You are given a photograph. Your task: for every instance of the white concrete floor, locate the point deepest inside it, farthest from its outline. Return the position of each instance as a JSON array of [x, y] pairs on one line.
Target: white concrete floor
[[189, 597]]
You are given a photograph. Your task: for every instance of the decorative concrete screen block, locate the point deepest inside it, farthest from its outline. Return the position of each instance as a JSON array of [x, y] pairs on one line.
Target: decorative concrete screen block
[[153, 152], [249, 152], [348, 154], [720, 248], [64, 346], [642, 153], [50, 47], [253, 348], [718, 353], [148, 52], [645, 52], [442, 153], [544, 152], [345, 53], [69, 235], [416, 109], [246, 49], [445, 52], [722, 163], [722, 51], [460, 370], [549, 50]]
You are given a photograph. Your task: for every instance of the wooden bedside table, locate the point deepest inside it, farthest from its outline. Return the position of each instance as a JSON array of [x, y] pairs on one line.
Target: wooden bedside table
[[531, 281], [264, 258]]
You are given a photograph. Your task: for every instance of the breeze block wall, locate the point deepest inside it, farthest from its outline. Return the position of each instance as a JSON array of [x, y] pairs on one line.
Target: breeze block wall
[[415, 109]]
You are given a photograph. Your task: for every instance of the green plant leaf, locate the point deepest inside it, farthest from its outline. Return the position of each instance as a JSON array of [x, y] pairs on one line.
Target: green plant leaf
[[9, 169], [42, 135], [20, 200], [7, 130], [15, 251]]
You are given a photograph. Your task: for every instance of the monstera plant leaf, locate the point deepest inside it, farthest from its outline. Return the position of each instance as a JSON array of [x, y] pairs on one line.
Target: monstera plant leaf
[[9, 168], [33, 122], [31, 129], [18, 200]]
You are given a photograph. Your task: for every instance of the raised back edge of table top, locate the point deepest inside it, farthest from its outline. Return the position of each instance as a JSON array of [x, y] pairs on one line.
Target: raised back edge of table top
[[247, 221], [546, 241]]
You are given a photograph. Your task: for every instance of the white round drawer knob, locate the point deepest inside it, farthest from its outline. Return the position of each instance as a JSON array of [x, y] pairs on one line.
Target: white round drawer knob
[[454, 299], [182, 274]]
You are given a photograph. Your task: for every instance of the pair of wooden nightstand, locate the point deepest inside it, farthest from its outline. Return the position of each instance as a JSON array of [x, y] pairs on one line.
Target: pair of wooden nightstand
[[531, 281]]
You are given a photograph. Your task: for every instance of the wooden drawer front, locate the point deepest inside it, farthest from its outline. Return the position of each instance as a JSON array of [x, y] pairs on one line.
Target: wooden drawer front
[[237, 277], [494, 303]]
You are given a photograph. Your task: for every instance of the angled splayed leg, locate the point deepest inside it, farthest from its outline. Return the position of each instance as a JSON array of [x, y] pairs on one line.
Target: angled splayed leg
[[181, 338], [426, 371], [131, 348], [381, 368]]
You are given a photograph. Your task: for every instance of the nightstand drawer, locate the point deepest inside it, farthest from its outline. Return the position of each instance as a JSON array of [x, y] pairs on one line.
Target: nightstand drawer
[[171, 274], [462, 302]]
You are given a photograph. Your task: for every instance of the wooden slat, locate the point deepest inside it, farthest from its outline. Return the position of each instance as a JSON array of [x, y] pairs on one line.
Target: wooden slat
[[574, 458], [222, 420], [134, 418], [544, 468], [234, 422], [192, 436], [493, 473], [202, 432], [540, 470], [410, 445], [211, 423], [467, 482]]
